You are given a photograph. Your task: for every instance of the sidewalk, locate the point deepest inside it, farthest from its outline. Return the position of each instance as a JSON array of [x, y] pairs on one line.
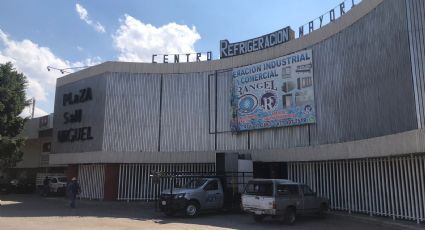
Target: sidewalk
[[380, 220]]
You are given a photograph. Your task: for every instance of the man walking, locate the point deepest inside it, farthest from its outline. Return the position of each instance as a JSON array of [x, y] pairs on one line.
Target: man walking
[[74, 190], [46, 186]]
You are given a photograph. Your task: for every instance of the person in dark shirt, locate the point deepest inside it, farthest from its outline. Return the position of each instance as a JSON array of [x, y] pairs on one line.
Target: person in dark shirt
[[46, 186], [73, 190]]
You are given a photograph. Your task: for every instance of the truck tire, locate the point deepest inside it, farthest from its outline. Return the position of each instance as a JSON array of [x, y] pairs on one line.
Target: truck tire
[[192, 209], [289, 216], [258, 218], [323, 210]]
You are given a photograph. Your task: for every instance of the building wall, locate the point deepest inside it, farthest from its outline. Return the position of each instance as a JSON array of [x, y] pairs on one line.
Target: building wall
[[363, 80], [32, 153], [93, 115], [184, 113], [416, 22], [132, 112], [387, 186], [363, 89]]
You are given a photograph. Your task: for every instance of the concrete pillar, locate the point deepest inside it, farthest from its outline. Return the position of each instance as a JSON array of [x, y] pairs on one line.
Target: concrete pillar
[[111, 182]]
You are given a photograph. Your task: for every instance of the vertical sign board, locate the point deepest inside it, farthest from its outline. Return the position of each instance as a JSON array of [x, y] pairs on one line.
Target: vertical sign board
[[274, 93]]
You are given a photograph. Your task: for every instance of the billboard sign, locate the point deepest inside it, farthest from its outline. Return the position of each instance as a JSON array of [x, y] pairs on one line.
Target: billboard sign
[[274, 93]]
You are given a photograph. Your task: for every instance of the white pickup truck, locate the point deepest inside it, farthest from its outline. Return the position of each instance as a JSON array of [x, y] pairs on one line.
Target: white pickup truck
[[56, 184], [281, 198]]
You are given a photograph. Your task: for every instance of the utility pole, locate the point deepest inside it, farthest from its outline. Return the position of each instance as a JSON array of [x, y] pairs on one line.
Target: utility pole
[[33, 106]]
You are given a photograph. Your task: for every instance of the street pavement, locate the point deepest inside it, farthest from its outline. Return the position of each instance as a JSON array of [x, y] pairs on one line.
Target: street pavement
[[38, 213]]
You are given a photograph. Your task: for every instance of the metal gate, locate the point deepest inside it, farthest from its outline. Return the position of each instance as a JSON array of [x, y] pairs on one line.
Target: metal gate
[[135, 183], [391, 186], [92, 181]]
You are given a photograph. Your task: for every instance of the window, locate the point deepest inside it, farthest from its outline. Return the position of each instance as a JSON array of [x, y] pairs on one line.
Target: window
[[46, 147], [286, 72], [289, 86], [195, 183], [45, 133], [212, 185], [306, 82], [53, 180], [307, 191], [259, 188], [287, 190], [287, 100]]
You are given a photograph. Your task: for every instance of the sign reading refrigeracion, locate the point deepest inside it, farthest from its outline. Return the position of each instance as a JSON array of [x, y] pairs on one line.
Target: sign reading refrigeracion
[[238, 48], [274, 93]]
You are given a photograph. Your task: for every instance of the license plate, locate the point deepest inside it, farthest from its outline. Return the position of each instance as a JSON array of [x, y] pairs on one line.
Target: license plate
[[164, 202]]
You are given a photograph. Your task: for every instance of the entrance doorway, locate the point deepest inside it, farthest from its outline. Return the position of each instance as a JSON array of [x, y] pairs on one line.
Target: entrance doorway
[[271, 170]]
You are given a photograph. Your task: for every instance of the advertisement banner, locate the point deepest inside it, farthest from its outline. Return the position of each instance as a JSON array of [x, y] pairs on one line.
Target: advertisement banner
[[274, 93]]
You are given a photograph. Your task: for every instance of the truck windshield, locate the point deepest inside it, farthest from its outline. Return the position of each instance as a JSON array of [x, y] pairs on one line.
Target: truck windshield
[[195, 183], [62, 179], [259, 188]]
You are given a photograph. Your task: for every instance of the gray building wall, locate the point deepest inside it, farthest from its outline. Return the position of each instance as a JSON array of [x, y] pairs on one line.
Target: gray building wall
[[416, 23], [185, 114], [132, 112], [93, 115], [363, 79]]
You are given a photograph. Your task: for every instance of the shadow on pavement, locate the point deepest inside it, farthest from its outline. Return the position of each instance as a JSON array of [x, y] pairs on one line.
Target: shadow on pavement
[[32, 205]]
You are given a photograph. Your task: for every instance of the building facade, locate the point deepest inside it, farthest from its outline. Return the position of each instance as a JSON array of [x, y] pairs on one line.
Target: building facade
[[38, 133], [364, 149]]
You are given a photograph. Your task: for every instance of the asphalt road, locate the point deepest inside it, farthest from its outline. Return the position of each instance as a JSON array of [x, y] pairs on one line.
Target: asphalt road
[[34, 212]]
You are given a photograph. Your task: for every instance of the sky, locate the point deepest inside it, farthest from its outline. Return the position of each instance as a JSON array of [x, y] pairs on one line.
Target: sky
[[70, 34]]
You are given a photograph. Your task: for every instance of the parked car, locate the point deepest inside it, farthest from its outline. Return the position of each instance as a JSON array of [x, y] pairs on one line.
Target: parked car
[[22, 186], [4, 188], [281, 198]]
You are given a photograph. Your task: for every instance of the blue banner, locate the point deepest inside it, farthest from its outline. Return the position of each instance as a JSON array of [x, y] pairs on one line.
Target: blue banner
[[274, 93]]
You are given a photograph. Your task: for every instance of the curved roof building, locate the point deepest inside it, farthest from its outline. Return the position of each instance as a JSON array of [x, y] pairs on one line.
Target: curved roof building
[[341, 109]]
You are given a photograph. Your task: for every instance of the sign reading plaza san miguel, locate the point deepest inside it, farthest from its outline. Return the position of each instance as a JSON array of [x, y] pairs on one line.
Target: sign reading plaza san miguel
[[269, 40], [274, 93], [75, 116]]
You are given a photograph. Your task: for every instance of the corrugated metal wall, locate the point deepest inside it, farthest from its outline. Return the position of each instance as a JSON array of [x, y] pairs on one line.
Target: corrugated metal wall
[[416, 25], [136, 184], [132, 112], [92, 181], [185, 113], [393, 187], [226, 140], [363, 79]]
